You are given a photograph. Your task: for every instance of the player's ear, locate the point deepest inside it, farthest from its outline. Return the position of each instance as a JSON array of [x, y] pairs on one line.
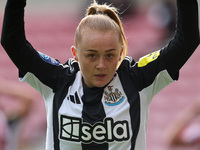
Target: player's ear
[[74, 53]]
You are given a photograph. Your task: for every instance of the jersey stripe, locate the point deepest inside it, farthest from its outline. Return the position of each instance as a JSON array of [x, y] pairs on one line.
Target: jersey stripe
[[93, 112], [134, 101]]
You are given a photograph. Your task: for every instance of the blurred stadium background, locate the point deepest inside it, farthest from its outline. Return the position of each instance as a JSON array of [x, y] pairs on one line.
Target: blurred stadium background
[[148, 24]]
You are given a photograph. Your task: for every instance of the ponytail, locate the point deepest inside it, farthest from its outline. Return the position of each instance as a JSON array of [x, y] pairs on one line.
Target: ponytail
[[103, 17]]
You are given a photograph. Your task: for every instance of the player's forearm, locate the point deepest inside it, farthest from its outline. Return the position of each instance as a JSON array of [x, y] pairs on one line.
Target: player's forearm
[[13, 35], [186, 38], [13, 25], [188, 24]]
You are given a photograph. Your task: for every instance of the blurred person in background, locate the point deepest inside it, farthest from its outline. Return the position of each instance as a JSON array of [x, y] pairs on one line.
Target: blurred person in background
[[15, 104], [184, 130], [161, 14], [100, 98], [4, 132]]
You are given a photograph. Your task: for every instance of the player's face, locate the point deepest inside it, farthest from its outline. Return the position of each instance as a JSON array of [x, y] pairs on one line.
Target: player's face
[[98, 54]]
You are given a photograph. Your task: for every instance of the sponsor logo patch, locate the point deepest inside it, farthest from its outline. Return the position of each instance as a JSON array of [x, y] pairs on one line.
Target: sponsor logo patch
[[49, 59], [148, 58], [74, 129]]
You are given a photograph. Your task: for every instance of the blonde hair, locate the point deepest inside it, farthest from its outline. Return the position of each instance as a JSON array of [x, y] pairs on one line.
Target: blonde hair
[[102, 17]]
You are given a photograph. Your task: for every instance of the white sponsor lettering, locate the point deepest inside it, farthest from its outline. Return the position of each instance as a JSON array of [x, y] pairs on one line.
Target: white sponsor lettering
[[106, 131]]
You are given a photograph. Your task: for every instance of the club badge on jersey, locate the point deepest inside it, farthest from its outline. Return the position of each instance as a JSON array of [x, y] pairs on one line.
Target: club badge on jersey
[[113, 98]]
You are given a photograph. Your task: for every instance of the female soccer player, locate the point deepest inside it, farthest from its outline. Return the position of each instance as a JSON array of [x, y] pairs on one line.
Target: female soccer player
[[100, 98]]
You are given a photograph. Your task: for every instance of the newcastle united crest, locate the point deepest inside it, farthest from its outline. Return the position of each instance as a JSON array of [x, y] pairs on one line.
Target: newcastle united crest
[[113, 98]]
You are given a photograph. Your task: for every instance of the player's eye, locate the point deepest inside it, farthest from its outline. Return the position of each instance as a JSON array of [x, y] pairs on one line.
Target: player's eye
[[109, 55]]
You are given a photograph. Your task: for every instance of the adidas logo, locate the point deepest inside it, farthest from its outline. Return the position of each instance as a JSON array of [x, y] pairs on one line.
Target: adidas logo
[[74, 98]]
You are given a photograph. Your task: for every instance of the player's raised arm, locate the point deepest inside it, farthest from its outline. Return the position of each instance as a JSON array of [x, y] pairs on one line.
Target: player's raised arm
[[21, 52], [186, 38], [13, 35]]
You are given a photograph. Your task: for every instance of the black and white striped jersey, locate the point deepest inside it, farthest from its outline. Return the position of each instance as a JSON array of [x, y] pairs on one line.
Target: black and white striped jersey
[[113, 117], [108, 118]]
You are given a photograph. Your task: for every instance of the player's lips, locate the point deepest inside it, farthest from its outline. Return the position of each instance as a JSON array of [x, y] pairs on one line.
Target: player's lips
[[100, 76]]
